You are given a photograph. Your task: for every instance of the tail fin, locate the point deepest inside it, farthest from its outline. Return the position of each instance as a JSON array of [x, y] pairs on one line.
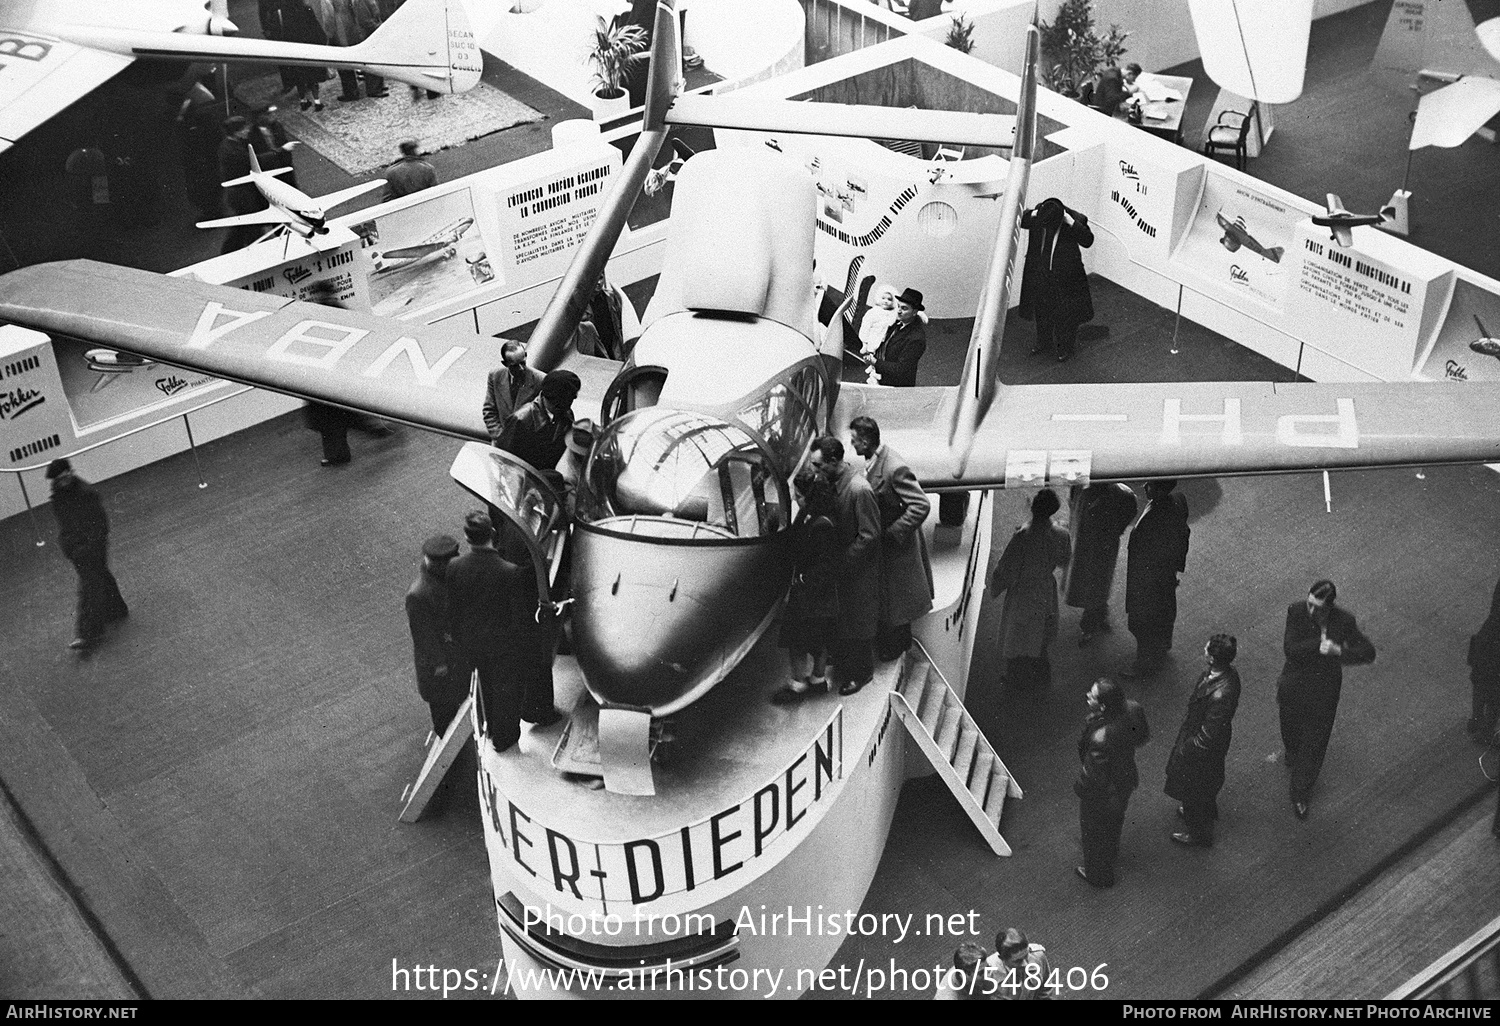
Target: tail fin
[[427, 43], [1431, 35], [980, 385], [1274, 253], [254, 161]]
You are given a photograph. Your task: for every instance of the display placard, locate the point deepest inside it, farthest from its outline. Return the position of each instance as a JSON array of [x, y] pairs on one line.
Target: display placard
[[542, 220], [424, 254], [1241, 239], [34, 424], [1467, 347]]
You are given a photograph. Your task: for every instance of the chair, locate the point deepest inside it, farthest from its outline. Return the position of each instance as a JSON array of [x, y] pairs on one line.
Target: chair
[[1231, 136], [947, 151]]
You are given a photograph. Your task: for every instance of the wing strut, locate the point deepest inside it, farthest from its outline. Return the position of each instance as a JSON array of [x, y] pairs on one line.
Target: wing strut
[[549, 341], [980, 386]]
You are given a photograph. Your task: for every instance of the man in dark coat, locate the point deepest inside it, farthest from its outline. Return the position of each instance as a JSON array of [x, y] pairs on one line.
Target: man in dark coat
[[1101, 513], [895, 362], [905, 570], [538, 431], [484, 605], [1156, 554], [234, 162], [1107, 775], [1320, 640], [1054, 285], [1484, 674], [83, 537], [441, 680], [858, 574], [1195, 769], [509, 387], [409, 174], [536, 630]]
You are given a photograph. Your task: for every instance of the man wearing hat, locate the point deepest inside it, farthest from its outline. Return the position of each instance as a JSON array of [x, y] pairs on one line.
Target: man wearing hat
[[895, 362], [83, 536], [441, 680], [510, 387], [580, 443], [538, 431]]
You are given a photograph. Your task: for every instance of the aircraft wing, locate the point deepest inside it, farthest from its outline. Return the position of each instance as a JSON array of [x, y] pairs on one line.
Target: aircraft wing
[[421, 249], [270, 215], [1254, 48], [399, 371], [1450, 115], [41, 75], [1187, 429], [1335, 205], [333, 199], [1343, 235]]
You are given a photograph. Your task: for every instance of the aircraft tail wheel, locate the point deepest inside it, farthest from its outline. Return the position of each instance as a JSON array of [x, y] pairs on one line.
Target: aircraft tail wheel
[[952, 508]]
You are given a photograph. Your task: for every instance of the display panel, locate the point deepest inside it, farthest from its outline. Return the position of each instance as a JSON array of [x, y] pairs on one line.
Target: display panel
[[1241, 239], [424, 254], [1467, 347]]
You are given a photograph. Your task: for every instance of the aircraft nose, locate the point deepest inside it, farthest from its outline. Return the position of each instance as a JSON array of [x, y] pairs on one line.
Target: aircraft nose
[[657, 622]]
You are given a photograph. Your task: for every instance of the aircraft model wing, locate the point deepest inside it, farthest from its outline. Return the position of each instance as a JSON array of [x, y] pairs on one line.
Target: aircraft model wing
[[40, 76], [333, 199], [1342, 235], [421, 249], [1450, 115], [1335, 205], [400, 371], [270, 215], [1130, 431]]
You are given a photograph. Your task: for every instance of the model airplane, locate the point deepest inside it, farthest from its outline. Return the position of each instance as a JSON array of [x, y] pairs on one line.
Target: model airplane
[[680, 549], [1486, 344], [440, 245], [1237, 235], [1338, 219], [1437, 40], [59, 50], [109, 364], [289, 208]]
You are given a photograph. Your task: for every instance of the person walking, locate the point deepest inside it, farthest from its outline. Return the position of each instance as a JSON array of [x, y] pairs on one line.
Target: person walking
[[83, 537], [1101, 513], [906, 589], [1195, 769], [1156, 554], [1320, 640], [1107, 775], [441, 680], [1026, 574]]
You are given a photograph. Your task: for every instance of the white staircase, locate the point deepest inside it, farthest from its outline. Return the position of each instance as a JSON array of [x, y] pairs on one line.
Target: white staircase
[[954, 744]]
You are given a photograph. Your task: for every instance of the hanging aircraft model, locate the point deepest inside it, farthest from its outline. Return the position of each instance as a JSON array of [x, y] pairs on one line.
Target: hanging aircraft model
[[1338, 219], [290, 208], [1437, 40], [110, 364], [56, 51], [1486, 344], [680, 556]]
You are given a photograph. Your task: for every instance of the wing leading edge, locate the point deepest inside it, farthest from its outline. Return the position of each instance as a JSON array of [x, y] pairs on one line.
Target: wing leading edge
[[40, 75], [381, 366], [1187, 429]]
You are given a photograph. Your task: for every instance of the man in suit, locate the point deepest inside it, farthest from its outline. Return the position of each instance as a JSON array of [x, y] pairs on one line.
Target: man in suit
[[1155, 555], [1320, 640], [1054, 285], [905, 570], [484, 605], [858, 572], [895, 362], [441, 680], [83, 537], [509, 388]]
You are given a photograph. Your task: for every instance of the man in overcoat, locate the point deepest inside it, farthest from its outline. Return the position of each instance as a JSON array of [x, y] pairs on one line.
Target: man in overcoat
[[1195, 769], [858, 573], [905, 569], [484, 605], [441, 679], [1320, 640], [1156, 554], [1054, 285], [1101, 513], [1107, 776], [83, 537], [895, 362]]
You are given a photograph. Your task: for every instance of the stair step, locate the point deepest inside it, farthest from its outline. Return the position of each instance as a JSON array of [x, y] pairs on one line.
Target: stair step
[[914, 690], [948, 730], [968, 744], [994, 802], [979, 776], [932, 710]]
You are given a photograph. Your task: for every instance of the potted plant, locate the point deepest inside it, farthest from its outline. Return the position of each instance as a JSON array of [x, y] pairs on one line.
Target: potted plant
[[960, 34], [1073, 51], [617, 48]]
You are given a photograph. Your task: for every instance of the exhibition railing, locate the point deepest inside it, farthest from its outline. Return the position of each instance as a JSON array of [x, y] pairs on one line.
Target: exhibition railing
[[20, 472], [1470, 972]]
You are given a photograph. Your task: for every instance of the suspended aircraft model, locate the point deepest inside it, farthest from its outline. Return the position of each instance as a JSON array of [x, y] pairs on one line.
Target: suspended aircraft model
[[55, 51], [1437, 40], [1486, 344], [290, 208], [1339, 221], [680, 556]]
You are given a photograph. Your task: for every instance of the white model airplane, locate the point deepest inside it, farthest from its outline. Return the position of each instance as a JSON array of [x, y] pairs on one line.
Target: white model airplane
[[109, 364], [681, 552], [440, 245], [1485, 344], [290, 208], [54, 51], [1437, 40], [1339, 221]]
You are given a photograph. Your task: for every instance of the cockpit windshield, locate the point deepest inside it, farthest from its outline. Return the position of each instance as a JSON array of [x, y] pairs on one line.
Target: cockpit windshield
[[680, 474]]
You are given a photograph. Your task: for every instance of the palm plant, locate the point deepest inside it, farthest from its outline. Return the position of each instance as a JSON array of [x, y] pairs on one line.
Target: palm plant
[[1073, 50], [617, 48], [960, 34]]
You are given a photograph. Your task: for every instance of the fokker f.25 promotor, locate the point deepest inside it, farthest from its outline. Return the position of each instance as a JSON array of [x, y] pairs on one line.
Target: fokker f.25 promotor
[[679, 541]]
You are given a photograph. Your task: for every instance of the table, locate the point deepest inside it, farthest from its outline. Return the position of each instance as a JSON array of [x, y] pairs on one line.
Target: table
[[1163, 117]]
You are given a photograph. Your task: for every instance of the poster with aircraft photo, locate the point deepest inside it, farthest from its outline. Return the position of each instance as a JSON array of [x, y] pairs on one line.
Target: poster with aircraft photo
[[1467, 347], [424, 254], [1241, 240]]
